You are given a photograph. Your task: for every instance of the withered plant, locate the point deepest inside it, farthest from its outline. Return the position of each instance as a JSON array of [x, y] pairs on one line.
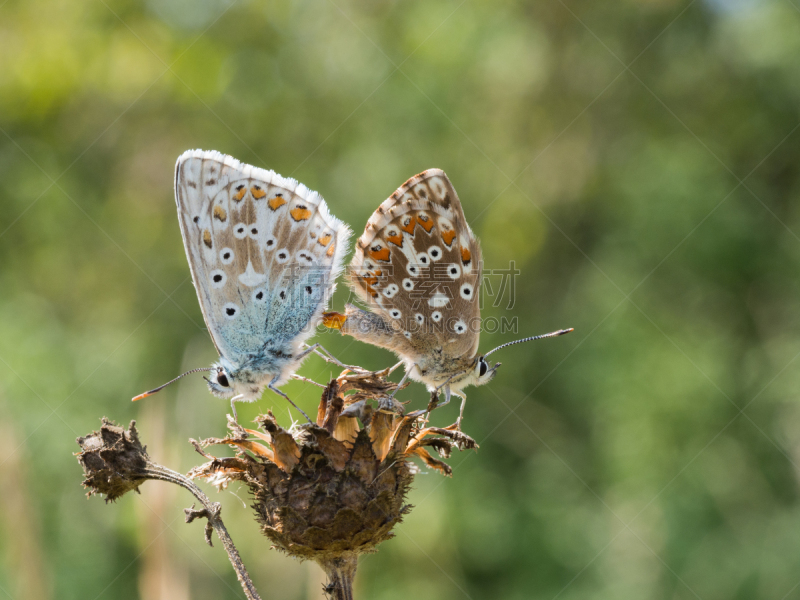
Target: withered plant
[[327, 491]]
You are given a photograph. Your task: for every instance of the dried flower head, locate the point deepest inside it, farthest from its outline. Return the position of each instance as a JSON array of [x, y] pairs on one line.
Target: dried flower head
[[114, 461], [333, 490]]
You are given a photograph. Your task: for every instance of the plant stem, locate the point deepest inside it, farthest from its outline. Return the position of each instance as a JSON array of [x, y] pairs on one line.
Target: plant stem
[[340, 571], [211, 510]]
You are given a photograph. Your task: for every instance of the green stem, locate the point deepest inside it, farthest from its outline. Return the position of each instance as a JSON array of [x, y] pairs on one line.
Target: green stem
[[340, 571]]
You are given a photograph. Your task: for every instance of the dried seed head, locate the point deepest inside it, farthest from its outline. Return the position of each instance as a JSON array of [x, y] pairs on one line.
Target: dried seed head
[[113, 460], [333, 490]]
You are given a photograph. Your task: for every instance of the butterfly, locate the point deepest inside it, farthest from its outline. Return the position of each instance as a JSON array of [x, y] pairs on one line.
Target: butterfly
[[418, 269], [264, 253]]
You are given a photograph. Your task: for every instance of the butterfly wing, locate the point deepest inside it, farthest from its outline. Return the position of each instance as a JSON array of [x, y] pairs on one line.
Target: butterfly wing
[[264, 252], [418, 266]]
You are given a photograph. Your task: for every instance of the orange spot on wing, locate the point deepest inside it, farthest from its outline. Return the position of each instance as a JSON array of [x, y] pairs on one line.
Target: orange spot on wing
[[409, 227], [371, 291], [382, 254], [257, 192], [325, 239], [426, 222], [276, 202], [300, 213], [377, 273], [333, 320], [397, 240], [240, 192], [466, 255], [330, 251], [448, 236], [220, 214], [207, 238], [370, 281]]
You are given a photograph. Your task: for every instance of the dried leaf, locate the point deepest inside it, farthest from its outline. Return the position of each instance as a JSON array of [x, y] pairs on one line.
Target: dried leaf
[[402, 432], [287, 453], [435, 463], [346, 431], [335, 405], [380, 432]]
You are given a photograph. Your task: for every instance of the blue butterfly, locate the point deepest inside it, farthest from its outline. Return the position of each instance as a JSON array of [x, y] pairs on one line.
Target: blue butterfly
[[264, 253]]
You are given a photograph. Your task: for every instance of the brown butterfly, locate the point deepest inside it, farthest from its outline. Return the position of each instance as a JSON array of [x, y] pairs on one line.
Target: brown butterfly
[[418, 269]]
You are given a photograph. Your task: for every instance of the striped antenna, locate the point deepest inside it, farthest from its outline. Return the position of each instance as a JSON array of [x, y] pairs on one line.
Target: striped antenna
[[528, 339], [161, 387]]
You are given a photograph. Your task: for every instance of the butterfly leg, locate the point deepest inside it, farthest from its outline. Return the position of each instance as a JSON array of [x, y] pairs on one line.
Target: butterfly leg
[[433, 403], [233, 409], [327, 356], [271, 386], [405, 376], [307, 380], [461, 412]]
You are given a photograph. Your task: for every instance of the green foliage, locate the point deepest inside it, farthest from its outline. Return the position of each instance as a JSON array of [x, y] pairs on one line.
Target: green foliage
[[651, 454]]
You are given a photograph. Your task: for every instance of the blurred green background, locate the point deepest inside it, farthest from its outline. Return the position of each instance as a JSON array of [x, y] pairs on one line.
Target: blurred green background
[[636, 159]]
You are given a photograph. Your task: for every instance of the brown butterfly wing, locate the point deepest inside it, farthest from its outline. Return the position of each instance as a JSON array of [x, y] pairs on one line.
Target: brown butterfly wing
[[418, 265]]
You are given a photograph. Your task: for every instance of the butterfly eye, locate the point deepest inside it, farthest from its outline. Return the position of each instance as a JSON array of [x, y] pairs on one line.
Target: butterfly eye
[[222, 379], [484, 367]]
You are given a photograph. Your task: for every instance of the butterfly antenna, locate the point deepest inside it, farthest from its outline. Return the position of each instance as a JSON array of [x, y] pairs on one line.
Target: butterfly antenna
[[528, 339], [161, 387]]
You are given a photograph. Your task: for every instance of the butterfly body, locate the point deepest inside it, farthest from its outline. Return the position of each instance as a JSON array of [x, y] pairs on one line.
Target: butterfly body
[[264, 253], [429, 364]]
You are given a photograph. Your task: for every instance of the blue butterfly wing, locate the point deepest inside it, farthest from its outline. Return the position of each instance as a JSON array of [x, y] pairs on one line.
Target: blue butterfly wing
[[263, 250]]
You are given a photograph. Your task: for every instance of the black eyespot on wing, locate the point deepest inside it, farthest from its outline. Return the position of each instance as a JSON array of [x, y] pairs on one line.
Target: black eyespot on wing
[[308, 289], [217, 278], [259, 295], [282, 255], [254, 231], [282, 295], [230, 311], [196, 219]]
